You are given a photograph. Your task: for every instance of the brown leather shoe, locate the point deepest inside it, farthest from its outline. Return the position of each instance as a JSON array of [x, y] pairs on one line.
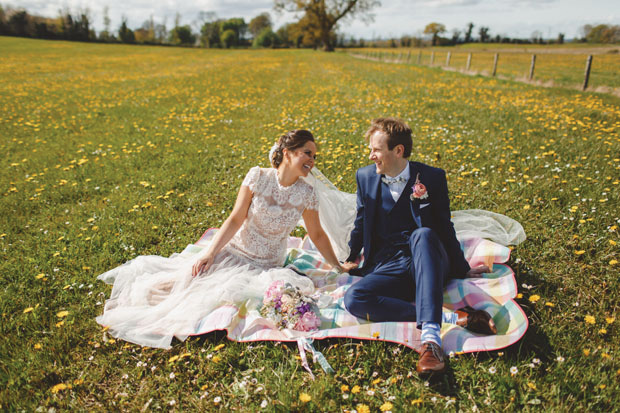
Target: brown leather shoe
[[432, 361], [477, 321]]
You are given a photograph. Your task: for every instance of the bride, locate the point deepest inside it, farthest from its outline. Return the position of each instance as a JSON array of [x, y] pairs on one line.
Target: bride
[[155, 298]]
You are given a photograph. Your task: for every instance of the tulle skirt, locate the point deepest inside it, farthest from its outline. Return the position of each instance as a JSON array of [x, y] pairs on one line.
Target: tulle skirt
[[156, 298]]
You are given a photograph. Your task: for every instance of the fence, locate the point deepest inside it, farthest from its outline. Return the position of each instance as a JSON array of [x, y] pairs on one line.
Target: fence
[[559, 69]]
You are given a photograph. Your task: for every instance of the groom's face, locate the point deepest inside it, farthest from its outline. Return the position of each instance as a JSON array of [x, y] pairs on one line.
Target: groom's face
[[386, 160]]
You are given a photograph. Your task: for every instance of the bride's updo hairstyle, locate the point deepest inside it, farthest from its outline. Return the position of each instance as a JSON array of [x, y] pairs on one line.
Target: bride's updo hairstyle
[[292, 140]]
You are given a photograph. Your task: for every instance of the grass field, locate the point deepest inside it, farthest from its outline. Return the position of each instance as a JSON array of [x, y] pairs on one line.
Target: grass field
[[556, 65], [115, 151]]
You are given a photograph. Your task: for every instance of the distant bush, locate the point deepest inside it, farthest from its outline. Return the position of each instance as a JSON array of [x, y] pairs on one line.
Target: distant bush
[[228, 38], [266, 38]]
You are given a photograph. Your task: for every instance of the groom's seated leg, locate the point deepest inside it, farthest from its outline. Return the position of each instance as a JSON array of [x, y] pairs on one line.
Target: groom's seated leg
[[429, 270], [385, 294]]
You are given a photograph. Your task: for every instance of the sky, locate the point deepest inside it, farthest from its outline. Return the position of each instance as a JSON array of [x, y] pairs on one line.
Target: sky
[[394, 18]]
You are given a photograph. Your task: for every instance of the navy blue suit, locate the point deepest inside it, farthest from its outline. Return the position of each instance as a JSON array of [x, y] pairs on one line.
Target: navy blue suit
[[410, 248]]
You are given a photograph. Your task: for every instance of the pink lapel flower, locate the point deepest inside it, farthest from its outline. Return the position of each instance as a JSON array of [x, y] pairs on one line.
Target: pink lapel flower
[[419, 190]]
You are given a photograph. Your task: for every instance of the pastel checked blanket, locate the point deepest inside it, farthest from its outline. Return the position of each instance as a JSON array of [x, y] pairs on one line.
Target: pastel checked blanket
[[495, 293]]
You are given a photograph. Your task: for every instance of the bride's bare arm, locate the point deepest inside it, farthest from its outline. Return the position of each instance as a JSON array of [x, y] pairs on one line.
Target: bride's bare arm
[[321, 240], [226, 232]]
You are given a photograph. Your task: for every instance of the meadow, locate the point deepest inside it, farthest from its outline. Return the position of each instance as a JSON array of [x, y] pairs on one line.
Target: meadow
[[114, 151], [556, 65]]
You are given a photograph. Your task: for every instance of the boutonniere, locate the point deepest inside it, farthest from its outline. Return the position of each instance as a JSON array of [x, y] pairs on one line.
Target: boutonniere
[[419, 190]]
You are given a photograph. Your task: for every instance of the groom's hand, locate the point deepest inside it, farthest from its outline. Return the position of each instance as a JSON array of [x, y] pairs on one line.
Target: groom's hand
[[348, 266], [477, 272]]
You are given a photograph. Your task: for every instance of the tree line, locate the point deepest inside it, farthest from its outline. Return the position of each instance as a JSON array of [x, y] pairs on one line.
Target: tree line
[[316, 27]]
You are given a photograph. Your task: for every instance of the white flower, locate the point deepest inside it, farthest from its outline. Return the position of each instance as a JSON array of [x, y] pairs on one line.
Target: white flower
[[217, 399], [263, 404], [492, 369], [536, 361], [370, 392], [560, 359], [125, 376], [172, 375], [451, 354], [345, 396], [514, 370], [172, 402]]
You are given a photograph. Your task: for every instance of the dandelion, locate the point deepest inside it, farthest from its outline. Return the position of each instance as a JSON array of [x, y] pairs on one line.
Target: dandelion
[[356, 389], [613, 262], [344, 388], [609, 320], [586, 352], [305, 397], [387, 406], [362, 408], [590, 320], [514, 370], [602, 331], [531, 385], [534, 298], [58, 387]]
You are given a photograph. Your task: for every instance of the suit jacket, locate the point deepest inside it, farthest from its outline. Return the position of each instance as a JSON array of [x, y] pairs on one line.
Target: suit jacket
[[432, 212]]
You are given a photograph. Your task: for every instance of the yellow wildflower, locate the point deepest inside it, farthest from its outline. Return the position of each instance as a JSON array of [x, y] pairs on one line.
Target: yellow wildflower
[[305, 397], [590, 319], [386, 406]]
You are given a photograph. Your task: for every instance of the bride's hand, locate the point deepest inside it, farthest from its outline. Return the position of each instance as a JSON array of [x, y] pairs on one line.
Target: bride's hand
[[348, 266], [202, 265]]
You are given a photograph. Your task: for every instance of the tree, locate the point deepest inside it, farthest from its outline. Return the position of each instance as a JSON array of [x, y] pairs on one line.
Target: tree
[[182, 35], [229, 38], [239, 28], [210, 34], [259, 23], [324, 15], [266, 38], [560, 38], [435, 29], [601, 33], [470, 28], [456, 35], [484, 34], [284, 35], [125, 34]]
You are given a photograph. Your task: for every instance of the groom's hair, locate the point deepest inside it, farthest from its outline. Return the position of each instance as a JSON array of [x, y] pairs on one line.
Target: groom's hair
[[397, 131]]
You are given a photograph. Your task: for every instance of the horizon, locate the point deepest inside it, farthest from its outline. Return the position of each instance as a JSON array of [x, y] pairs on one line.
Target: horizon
[[394, 19]]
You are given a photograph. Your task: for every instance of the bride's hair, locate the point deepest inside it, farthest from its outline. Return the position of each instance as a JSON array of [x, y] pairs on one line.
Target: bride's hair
[[292, 140]]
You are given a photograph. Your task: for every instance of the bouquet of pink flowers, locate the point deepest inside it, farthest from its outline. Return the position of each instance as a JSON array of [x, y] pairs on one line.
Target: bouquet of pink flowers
[[289, 308]]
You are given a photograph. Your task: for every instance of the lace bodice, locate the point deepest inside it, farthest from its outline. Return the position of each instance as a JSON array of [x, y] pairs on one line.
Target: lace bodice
[[273, 214]]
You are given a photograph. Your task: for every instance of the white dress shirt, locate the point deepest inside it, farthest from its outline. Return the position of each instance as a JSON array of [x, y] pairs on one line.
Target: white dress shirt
[[396, 189]]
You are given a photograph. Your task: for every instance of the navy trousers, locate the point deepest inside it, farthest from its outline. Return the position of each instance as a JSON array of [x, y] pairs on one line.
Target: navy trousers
[[416, 272]]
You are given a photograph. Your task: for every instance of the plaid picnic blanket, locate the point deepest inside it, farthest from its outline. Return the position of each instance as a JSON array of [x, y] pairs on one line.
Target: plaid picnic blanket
[[495, 293]]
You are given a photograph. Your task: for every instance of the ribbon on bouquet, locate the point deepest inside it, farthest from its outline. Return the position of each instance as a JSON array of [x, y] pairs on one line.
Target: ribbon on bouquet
[[306, 344]]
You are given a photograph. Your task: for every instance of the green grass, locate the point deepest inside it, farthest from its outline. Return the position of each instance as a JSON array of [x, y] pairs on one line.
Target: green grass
[[115, 151]]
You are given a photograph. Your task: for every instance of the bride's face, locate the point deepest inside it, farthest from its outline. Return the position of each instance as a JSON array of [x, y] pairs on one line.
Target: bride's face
[[301, 160]]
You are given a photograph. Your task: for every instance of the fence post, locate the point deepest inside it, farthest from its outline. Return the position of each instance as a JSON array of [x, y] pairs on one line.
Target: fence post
[[532, 67], [587, 74], [432, 57], [495, 64], [419, 56], [448, 59], [468, 62]]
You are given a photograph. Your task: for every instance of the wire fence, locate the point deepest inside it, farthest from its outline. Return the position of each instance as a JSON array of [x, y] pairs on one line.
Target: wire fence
[[599, 73]]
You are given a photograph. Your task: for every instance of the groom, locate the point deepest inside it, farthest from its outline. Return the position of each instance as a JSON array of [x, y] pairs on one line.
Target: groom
[[410, 247]]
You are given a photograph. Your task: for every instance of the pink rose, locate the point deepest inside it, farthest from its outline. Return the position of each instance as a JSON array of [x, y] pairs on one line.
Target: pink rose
[[308, 322]]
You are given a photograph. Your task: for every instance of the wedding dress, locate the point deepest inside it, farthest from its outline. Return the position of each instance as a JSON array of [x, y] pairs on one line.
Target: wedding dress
[[156, 298]]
